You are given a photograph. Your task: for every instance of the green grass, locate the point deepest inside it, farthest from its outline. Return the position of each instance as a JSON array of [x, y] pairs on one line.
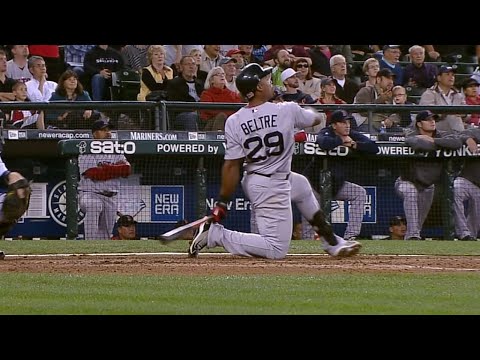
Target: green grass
[[325, 294], [297, 247], [343, 293]]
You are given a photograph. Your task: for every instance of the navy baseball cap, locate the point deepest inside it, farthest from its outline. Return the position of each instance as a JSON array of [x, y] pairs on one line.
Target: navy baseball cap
[[101, 124], [398, 220], [126, 220], [425, 115], [340, 116], [446, 69], [387, 47]]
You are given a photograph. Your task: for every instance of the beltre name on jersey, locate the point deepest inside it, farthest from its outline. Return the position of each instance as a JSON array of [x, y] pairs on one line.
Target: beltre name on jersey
[[262, 122]]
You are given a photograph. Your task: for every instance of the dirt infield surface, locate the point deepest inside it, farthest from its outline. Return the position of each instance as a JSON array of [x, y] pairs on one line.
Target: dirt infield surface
[[225, 264]]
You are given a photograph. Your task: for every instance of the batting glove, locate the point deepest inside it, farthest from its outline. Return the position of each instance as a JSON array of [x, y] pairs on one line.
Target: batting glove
[[300, 136], [219, 212]]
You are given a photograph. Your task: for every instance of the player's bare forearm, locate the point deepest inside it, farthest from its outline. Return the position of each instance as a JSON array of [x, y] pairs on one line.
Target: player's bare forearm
[[230, 177]]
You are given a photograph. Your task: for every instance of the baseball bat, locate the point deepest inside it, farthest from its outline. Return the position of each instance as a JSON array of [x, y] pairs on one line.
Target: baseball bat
[[175, 233]]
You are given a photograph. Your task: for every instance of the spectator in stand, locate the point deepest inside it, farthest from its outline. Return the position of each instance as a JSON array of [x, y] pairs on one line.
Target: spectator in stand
[[417, 74], [346, 88], [127, 228], [39, 88], [397, 228], [29, 119], [17, 67], [291, 85], [210, 57], [228, 65], [186, 87], [399, 122], [390, 60], [197, 55], [70, 89], [282, 61], [321, 55], [370, 68], [444, 93], [328, 96], [253, 53], [258, 52], [307, 83], [381, 93], [217, 91], [295, 51], [53, 61], [6, 83], [416, 183], [237, 55], [74, 56], [155, 77], [472, 97], [135, 57], [99, 63]]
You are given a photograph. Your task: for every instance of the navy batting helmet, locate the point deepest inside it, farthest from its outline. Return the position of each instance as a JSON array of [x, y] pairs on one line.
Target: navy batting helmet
[[249, 78]]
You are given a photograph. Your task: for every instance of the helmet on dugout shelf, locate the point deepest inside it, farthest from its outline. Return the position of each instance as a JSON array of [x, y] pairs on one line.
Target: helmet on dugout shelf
[[249, 78]]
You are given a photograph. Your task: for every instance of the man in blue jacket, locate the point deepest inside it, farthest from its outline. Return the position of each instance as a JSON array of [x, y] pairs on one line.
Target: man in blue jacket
[[343, 170]]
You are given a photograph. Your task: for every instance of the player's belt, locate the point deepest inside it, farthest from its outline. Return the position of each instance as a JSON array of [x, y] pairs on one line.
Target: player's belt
[[280, 176], [106, 193]]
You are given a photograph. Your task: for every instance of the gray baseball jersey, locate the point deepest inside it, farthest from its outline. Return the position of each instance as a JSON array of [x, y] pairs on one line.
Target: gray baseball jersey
[[264, 136], [98, 197]]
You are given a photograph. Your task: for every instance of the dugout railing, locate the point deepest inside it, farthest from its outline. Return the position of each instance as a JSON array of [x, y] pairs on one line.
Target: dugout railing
[[160, 116]]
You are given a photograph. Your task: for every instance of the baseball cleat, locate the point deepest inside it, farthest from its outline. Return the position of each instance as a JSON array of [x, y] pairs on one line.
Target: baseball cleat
[[343, 248], [199, 241]]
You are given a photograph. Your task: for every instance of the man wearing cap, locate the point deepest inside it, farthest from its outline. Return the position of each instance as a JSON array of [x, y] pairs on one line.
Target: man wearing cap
[[343, 170], [99, 185], [444, 93], [466, 190], [390, 60], [127, 228], [397, 228], [291, 84], [381, 93], [228, 65], [416, 183], [263, 133], [238, 56]]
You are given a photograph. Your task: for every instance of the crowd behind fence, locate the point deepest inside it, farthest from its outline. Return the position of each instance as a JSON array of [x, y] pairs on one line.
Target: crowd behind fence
[[160, 116]]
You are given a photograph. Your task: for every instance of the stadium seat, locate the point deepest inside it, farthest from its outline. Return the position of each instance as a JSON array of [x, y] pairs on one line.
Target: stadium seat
[[125, 85]]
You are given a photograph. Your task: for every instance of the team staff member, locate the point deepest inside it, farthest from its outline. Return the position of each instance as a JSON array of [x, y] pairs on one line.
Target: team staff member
[[99, 185], [466, 187], [397, 228], [127, 228], [416, 182], [343, 170], [262, 134]]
